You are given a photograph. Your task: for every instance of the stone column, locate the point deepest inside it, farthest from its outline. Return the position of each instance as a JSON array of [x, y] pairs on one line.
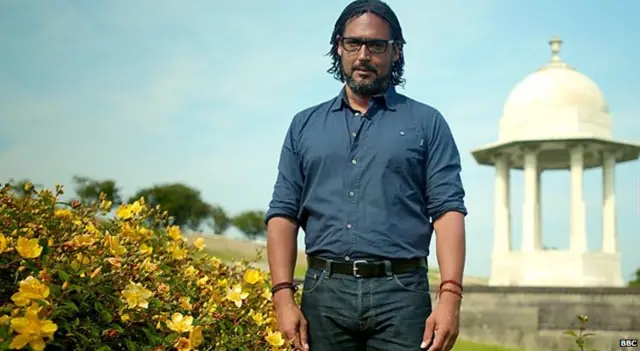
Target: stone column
[[578, 239], [530, 205], [609, 240], [502, 208], [538, 209]]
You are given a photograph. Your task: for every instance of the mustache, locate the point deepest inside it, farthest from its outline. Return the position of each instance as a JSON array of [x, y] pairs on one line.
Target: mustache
[[364, 67]]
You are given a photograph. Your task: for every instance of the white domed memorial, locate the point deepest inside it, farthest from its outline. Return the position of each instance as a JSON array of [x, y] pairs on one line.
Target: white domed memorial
[[556, 118]]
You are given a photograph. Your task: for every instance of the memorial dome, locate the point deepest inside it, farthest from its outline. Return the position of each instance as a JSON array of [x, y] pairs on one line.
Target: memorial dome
[[555, 102]]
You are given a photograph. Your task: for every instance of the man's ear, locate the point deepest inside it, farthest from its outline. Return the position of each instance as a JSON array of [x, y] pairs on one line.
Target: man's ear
[[396, 52]]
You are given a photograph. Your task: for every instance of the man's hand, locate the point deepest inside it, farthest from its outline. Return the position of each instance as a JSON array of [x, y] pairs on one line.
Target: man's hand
[[291, 321], [444, 322]]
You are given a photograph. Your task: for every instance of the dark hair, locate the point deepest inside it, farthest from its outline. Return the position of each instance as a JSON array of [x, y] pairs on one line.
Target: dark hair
[[358, 8]]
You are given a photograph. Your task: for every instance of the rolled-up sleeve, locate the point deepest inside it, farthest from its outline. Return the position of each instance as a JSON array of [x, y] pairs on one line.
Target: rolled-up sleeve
[[444, 188], [287, 190]]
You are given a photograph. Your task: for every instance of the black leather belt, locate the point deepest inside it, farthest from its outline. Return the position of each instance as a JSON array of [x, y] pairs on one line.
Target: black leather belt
[[367, 269]]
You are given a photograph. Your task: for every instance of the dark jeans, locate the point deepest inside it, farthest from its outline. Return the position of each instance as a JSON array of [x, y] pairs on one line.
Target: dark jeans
[[365, 314]]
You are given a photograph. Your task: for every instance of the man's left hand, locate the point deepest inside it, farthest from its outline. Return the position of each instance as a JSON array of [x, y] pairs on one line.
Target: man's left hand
[[443, 324]]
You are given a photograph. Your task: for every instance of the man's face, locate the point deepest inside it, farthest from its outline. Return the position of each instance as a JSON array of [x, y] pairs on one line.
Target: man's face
[[367, 68]]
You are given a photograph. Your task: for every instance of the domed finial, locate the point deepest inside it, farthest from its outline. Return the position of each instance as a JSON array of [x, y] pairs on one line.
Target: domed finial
[[555, 44]]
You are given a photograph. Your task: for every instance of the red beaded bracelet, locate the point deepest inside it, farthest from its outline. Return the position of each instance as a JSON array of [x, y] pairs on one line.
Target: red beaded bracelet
[[450, 291], [444, 282]]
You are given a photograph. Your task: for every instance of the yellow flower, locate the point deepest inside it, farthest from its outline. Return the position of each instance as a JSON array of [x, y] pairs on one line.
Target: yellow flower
[[83, 240], [137, 295], [63, 213], [199, 244], [266, 294], [145, 250], [28, 186], [106, 205], [174, 233], [185, 303], [124, 212], [31, 330], [190, 271], [183, 344], [252, 276], [144, 232], [202, 281], [148, 266], [236, 295], [114, 245], [195, 336], [128, 211], [177, 252], [223, 283], [80, 260], [179, 323], [125, 317], [30, 289], [3, 243], [274, 338], [4, 319], [28, 248], [91, 229], [257, 317], [216, 262]]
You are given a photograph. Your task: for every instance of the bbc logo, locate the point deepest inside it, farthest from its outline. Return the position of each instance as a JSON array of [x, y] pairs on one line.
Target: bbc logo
[[628, 342]]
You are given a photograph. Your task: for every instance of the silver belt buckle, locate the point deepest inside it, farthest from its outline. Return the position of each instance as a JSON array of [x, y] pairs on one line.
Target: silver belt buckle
[[355, 267]]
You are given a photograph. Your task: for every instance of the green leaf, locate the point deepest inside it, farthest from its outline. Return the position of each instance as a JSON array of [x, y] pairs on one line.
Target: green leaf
[[64, 276], [131, 346], [72, 306], [571, 333], [108, 317], [104, 348]]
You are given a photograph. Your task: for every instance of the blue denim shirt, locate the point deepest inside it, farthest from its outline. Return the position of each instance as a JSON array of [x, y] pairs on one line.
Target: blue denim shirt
[[365, 186]]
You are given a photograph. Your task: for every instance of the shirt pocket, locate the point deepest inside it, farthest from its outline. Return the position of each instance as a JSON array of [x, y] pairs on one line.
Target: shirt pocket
[[402, 150]]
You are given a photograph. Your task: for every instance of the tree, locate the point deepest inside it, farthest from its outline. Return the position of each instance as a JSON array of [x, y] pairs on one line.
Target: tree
[[636, 280], [20, 187], [88, 190], [251, 223], [182, 202], [221, 222]]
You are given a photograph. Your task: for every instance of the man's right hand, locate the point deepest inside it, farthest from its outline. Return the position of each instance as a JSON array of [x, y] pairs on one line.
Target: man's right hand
[[291, 321]]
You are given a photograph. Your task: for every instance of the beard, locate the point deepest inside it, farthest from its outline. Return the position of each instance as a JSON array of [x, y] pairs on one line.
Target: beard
[[366, 87]]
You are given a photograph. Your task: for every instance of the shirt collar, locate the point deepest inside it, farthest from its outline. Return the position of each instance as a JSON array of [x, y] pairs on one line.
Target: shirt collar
[[388, 99]]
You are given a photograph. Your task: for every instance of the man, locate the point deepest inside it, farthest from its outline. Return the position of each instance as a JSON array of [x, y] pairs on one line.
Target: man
[[368, 176]]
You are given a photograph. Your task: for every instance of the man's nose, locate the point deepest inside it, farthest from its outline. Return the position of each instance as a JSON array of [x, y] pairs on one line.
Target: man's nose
[[363, 53]]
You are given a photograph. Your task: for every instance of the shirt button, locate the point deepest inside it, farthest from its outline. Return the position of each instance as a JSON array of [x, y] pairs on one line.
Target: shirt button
[[353, 135], [346, 258], [354, 161], [349, 225], [357, 114], [351, 193]]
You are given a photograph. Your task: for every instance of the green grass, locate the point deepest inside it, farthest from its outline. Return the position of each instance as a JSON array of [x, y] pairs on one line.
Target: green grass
[[463, 345]]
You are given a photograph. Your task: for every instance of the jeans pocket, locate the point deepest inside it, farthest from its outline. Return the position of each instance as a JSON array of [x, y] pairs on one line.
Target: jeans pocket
[[312, 280], [416, 282]]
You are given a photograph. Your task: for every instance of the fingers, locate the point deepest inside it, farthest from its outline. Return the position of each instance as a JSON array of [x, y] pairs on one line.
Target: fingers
[[450, 342], [291, 335], [303, 334], [439, 340], [427, 338]]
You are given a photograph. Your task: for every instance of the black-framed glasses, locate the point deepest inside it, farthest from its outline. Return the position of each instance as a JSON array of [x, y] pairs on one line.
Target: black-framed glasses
[[375, 46]]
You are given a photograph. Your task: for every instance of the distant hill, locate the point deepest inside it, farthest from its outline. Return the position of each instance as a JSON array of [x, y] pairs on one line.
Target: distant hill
[[228, 249]]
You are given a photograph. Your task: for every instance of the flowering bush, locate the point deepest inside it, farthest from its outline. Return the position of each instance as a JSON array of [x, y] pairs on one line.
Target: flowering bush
[[71, 279]]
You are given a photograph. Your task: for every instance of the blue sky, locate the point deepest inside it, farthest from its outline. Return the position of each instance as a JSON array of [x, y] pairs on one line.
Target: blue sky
[[202, 92]]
